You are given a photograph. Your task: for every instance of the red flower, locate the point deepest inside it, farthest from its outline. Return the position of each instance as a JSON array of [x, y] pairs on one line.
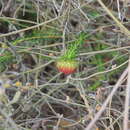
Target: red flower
[[67, 66]]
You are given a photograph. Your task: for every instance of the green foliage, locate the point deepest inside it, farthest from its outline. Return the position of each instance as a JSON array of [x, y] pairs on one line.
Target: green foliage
[[38, 37], [94, 14], [5, 60], [95, 85], [35, 38], [74, 47], [99, 61]]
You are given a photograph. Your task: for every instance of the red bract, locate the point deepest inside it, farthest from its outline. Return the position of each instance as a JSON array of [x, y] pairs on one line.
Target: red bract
[[67, 66]]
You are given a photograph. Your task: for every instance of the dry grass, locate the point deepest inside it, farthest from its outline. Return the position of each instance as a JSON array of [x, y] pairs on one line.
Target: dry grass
[[34, 95]]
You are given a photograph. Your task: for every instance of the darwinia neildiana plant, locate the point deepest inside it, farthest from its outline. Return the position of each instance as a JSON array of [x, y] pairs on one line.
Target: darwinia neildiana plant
[[67, 63]]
